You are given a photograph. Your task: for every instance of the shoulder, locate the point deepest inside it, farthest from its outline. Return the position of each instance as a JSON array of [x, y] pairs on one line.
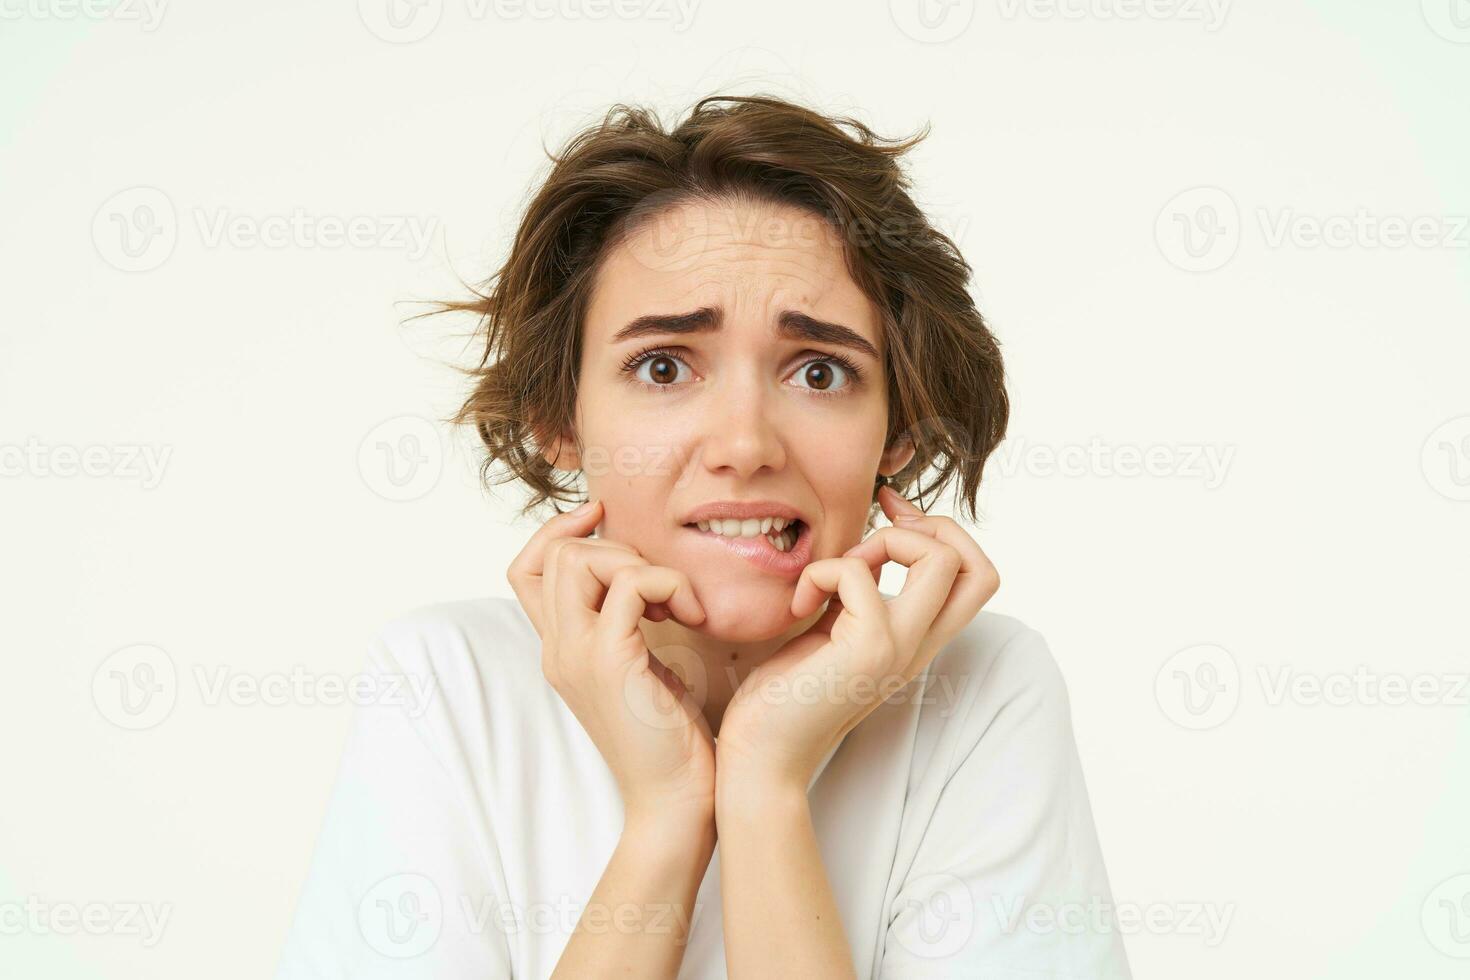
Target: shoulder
[[1002, 657], [467, 619], [997, 681], [463, 643]]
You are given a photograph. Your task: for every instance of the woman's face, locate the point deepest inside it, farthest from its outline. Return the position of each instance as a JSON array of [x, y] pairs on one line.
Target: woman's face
[[744, 398]]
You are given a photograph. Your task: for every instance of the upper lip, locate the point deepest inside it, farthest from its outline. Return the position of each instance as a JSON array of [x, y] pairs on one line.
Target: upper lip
[[740, 510]]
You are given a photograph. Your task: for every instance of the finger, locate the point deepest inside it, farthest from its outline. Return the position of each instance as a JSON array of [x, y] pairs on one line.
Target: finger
[[850, 580], [551, 573], [581, 571], [630, 589], [876, 567], [975, 583], [550, 559], [525, 573], [896, 505], [932, 568]]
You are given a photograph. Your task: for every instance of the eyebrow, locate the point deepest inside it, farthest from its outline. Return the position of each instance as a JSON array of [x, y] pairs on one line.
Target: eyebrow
[[790, 325]]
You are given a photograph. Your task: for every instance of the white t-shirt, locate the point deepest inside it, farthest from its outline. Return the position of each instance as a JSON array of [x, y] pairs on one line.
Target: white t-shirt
[[472, 818]]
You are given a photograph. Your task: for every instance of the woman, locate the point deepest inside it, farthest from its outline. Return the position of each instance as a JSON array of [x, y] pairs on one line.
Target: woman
[[701, 742]]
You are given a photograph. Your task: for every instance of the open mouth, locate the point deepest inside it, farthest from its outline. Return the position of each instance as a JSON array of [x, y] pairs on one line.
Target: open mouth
[[779, 532]]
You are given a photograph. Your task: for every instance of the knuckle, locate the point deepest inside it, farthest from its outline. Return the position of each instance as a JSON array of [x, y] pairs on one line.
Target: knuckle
[[626, 575], [567, 555], [949, 556]]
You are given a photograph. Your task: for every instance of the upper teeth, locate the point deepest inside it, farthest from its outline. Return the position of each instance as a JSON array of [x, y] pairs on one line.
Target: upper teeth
[[747, 528]]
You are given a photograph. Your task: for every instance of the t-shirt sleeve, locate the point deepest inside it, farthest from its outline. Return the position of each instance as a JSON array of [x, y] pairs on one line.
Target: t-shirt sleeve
[[1008, 880], [402, 881]]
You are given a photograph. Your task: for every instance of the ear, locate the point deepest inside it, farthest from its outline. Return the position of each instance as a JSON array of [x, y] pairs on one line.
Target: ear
[[560, 451], [896, 457]]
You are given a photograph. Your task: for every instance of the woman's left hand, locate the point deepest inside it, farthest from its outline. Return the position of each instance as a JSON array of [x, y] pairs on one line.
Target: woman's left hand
[[792, 709]]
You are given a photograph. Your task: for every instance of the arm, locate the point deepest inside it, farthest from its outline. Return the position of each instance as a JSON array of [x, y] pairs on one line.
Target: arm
[[637, 921], [780, 917]]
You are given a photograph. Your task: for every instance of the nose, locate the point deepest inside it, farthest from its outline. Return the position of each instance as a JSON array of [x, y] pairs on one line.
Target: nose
[[739, 436]]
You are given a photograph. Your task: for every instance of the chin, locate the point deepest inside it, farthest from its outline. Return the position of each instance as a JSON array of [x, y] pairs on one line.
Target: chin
[[745, 614]]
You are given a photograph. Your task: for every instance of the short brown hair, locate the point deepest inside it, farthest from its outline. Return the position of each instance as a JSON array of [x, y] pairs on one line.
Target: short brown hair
[[946, 383]]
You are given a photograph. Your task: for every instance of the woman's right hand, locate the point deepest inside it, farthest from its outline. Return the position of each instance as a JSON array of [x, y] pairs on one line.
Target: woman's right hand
[[586, 597]]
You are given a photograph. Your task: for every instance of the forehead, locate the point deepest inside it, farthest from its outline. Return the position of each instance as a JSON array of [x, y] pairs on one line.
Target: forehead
[[753, 260]]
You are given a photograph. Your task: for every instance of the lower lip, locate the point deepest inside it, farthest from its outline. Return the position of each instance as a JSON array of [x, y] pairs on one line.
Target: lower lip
[[760, 552]]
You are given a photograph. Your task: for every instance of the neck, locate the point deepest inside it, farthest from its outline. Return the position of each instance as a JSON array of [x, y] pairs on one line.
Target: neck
[[714, 669]]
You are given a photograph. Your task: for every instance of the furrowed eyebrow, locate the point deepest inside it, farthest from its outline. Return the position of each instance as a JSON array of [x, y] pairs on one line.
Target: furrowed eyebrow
[[791, 325]]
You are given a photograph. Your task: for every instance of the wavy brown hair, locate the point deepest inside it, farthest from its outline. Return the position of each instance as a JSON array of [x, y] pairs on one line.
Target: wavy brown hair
[[946, 386]]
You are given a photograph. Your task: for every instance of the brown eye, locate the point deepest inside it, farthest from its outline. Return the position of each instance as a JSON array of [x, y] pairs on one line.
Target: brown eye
[[657, 370], [818, 375], [663, 370]]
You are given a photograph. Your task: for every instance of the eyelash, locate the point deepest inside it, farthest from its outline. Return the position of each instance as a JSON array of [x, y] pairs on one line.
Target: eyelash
[[634, 361]]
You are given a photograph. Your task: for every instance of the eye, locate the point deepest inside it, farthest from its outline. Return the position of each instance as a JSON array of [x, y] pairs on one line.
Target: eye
[[663, 367], [819, 374]]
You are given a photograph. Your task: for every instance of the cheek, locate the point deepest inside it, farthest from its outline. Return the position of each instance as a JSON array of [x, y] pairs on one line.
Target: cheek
[[844, 486]]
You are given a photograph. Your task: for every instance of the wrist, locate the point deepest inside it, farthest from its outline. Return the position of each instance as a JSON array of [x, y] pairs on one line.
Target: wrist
[[669, 830], [761, 794]]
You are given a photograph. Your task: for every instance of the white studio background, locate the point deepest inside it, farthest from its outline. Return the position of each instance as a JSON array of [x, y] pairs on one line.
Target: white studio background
[[1225, 246]]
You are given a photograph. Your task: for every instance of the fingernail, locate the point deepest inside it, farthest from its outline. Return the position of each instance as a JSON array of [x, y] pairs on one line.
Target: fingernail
[[908, 518], [585, 508]]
